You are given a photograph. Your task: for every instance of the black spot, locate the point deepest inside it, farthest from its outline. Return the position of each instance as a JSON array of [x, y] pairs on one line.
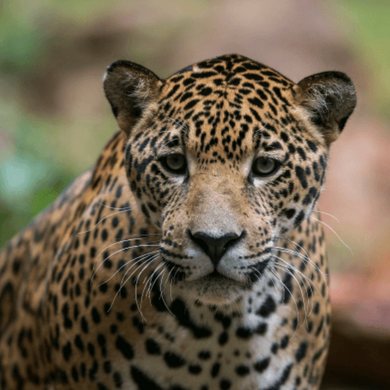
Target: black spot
[[320, 326], [246, 333], [262, 365], [284, 342], [152, 347], [179, 310], [84, 324], [225, 384], [194, 369], [301, 351], [242, 370], [124, 347], [191, 104], [301, 176], [104, 235], [67, 351], [253, 76], [95, 315], [226, 320], [290, 213], [117, 379], [205, 91], [75, 374], [142, 380], [204, 355], [312, 145], [79, 343], [267, 308], [91, 349], [173, 360], [256, 102], [301, 153], [102, 343], [215, 369], [299, 218], [223, 338]]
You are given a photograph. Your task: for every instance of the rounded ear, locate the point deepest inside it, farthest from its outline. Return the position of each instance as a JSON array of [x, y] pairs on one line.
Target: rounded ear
[[329, 98], [130, 88]]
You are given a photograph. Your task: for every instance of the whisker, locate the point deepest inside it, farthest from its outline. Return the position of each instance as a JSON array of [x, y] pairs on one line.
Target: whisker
[[136, 286], [170, 287], [120, 242], [310, 283], [139, 258], [288, 269], [330, 215], [306, 260], [118, 251], [275, 274], [154, 282], [292, 297], [114, 208], [148, 282], [103, 219], [181, 125], [307, 256], [122, 284], [162, 295], [268, 272], [333, 232]]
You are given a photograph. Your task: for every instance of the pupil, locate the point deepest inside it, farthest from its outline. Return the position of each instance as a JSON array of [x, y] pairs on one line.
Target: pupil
[[175, 162], [265, 163]]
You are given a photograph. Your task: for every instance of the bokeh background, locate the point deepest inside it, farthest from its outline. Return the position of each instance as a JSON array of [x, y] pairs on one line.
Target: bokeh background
[[54, 120]]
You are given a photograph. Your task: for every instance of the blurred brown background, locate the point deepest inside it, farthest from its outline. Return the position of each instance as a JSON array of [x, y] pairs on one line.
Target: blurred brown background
[[54, 120]]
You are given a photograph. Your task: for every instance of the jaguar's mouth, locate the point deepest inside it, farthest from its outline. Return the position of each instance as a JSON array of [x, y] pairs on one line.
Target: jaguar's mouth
[[215, 276], [219, 288]]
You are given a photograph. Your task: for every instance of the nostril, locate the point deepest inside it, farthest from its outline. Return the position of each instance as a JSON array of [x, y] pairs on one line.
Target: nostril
[[198, 239], [215, 247]]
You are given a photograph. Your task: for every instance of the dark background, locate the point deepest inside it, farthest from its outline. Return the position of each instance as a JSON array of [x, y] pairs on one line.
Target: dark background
[[54, 120]]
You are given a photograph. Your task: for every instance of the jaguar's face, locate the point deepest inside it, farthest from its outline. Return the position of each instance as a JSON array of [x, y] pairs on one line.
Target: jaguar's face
[[225, 160], [223, 191]]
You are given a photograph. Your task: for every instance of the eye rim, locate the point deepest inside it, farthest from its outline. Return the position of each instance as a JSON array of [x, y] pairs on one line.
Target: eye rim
[[276, 167], [181, 171]]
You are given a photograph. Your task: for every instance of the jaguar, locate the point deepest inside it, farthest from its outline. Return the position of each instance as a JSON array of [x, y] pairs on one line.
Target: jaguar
[[192, 255]]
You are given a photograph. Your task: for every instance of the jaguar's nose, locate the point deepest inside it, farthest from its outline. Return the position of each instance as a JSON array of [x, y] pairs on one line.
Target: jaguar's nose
[[215, 247]]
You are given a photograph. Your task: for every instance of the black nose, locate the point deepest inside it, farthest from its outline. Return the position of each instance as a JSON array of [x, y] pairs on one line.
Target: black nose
[[215, 247]]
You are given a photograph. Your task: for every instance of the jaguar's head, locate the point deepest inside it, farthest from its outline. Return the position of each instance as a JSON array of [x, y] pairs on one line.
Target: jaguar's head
[[225, 157]]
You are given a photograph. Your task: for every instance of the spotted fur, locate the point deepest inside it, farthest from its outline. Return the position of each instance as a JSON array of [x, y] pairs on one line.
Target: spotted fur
[[213, 277]]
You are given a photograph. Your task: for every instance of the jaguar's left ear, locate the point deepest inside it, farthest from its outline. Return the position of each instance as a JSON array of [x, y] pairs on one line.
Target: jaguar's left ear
[[130, 88], [329, 98]]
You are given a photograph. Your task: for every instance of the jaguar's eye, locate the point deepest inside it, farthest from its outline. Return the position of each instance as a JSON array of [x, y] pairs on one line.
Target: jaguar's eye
[[175, 163], [265, 166]]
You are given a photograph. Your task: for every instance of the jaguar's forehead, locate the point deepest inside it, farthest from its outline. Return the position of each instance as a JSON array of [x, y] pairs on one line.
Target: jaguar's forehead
[[224, 104], [223, 70]]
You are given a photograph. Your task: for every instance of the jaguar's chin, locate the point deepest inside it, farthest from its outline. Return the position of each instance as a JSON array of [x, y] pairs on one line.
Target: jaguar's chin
[[215, 289]]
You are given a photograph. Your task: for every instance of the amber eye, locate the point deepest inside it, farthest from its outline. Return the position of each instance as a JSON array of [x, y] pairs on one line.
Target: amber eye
[[264, 166], [175, 163]]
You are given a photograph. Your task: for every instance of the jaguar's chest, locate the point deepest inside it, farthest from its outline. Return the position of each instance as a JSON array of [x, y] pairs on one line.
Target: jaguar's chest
[[257, 344]]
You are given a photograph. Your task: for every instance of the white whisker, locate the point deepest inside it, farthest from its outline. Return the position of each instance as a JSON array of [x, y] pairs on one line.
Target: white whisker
[[333, 232]]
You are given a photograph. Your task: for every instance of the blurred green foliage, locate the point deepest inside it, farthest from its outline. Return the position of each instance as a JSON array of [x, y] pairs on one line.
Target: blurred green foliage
[[48, 139], [369, 30], [43, 149]]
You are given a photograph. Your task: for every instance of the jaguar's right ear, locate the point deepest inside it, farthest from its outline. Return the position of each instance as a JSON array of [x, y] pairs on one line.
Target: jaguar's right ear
[[130, 88]]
